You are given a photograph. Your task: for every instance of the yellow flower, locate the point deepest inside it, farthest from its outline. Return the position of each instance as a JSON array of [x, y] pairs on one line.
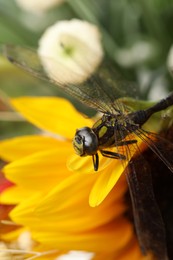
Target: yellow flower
[[51, 201]]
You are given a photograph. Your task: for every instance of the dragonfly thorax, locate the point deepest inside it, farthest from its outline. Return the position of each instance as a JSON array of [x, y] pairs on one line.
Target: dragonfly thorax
[[85, 142]]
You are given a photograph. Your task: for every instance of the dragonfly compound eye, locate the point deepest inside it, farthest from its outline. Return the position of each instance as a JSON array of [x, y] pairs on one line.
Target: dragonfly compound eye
[[85, 142]]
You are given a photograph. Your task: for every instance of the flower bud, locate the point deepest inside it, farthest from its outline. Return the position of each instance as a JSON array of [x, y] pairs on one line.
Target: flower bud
[[70, 51]]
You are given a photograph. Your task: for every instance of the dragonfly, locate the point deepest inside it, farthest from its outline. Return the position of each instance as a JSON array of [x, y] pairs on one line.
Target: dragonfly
[[102, 91]]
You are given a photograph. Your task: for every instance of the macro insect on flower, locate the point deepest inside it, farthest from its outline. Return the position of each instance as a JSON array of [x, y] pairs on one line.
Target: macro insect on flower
[[115, 135]]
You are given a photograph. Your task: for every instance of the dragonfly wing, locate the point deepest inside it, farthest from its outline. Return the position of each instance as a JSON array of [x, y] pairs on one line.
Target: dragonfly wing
[[159, 145], [147, 217], [98, 91], [146, 213]]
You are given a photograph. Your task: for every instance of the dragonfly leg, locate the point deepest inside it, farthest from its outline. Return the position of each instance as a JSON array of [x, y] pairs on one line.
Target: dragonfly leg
[[95, 158], [112, 155]]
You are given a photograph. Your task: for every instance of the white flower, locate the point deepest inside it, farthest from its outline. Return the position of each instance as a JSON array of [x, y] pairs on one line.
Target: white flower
[[70, 50], [37, 6]]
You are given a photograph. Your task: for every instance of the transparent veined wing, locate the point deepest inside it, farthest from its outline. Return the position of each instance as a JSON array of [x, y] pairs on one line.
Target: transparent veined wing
[[147, 216], [159, 145], [148, 220], [100, 90]]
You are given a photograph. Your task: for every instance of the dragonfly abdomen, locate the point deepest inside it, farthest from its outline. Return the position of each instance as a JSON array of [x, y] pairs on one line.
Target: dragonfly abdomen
[[162, 104]]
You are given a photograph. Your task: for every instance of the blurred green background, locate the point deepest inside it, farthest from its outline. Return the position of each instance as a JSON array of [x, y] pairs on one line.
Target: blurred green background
[[137, 37]]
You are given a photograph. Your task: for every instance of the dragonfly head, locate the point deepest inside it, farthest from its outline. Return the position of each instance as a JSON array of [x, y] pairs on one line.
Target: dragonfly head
[[85, 142]]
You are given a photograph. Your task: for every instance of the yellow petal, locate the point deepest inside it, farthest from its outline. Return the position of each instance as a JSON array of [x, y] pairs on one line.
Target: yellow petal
[[23, 212], [80, 164], [75, 209], [40, 171], [14, 195], [119, 234], [67, 190], [85, 164], [105, 182], [13, 235], [131, 251], [73, 217], [16, 148], [56, 115]]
